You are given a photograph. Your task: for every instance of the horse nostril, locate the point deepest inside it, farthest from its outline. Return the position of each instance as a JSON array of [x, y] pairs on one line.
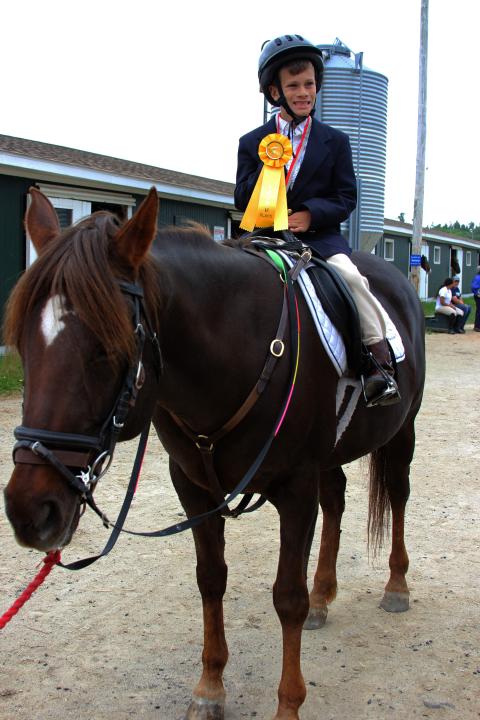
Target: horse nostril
[[47, 519]]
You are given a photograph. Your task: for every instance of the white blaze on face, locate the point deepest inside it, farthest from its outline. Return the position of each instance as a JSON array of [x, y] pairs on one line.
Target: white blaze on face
[[52, 322]]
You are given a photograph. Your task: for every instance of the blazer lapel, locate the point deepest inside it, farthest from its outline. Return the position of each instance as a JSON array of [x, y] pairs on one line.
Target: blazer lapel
[[269, 128], [315, 154]]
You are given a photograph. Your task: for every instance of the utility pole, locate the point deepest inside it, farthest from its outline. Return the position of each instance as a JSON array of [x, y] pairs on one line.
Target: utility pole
[[421, 142]]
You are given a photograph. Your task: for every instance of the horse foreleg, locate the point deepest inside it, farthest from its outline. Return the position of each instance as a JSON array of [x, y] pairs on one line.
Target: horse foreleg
[[208, 701], [397, 455], [332, 500], [290, 595]]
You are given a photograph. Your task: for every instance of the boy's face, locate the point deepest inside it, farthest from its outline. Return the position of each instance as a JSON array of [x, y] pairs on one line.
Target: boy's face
[[300, 91]]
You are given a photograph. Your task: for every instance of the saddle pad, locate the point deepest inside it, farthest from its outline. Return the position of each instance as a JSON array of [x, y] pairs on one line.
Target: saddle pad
[[331, 339]]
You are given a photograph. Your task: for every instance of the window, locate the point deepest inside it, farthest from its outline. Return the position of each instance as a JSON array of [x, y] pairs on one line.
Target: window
[[121, 211], [65, 217], [218, 233], [74, 203], [468, 258], [388, 250], [68, 211], [436, 255]]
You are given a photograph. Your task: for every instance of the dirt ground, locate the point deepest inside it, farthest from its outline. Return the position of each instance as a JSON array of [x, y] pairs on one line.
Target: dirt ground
[[122, 639]]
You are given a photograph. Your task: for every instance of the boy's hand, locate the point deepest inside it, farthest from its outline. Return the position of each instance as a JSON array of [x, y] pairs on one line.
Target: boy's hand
[[300, 221]]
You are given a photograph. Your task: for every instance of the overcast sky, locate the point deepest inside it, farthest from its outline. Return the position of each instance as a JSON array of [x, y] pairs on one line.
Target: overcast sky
[[174, 84]]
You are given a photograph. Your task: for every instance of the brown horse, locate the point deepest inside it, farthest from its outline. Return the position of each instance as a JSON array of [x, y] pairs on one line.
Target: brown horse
[[75, 318]]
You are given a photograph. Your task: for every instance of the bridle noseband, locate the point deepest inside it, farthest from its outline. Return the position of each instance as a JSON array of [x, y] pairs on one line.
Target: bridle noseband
[[83, 459]]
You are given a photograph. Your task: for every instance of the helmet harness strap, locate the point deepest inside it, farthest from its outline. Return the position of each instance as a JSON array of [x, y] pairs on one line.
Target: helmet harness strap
[[282, 102]]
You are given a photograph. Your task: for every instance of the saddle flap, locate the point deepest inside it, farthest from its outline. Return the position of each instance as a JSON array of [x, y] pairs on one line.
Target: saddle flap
[[339, 305]]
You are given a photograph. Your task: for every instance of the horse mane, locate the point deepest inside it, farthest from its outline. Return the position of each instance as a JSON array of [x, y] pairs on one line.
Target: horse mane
[[82, 267], [239, 243], [192, 233]]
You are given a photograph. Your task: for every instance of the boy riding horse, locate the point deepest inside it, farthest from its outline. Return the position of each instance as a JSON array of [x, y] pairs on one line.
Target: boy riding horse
[[321, 186]]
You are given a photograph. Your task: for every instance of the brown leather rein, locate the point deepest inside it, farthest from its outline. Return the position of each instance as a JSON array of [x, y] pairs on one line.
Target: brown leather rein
[[206, 443]]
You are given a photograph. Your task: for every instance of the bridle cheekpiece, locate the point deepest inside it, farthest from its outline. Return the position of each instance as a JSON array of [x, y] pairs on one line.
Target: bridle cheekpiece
[[83, 459]]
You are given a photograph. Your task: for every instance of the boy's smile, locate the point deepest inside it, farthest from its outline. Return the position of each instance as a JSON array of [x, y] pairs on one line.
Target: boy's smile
[[300, 91]]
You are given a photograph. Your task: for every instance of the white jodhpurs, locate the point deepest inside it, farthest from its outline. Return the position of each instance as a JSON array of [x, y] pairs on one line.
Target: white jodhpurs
[[447, 310], [372, 321]]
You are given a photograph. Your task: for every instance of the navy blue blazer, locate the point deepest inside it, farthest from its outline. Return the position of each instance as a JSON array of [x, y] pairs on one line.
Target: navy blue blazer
[[325, 184]]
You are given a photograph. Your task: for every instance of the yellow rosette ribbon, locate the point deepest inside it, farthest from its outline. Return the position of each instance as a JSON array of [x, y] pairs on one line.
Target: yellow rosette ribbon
[[268, 203]]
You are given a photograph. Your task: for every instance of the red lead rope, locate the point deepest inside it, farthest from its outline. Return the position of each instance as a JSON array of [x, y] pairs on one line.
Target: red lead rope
[[49, 561]]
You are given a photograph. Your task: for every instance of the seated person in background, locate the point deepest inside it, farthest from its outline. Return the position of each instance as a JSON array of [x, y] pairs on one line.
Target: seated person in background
[[476, 295], [457, 299], [444, 306]]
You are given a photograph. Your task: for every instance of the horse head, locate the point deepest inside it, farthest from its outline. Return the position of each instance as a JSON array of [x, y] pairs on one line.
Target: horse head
[[81, 321]]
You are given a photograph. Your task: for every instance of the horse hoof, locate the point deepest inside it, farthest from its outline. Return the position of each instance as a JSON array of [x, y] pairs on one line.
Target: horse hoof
[[317, 617], [395, 601], [200, 709]]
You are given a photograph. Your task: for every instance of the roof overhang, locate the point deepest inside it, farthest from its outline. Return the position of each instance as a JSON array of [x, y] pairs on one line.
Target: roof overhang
[[431, 236], [49, 171]]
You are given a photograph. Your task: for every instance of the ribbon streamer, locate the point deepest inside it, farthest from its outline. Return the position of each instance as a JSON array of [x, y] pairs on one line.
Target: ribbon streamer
[[268, 203]]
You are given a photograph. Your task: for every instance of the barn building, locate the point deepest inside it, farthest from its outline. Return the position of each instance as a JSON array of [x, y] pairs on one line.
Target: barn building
[[79, 182]]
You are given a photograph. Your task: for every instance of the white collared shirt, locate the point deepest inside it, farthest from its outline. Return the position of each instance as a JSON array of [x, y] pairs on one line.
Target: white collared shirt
[[286, 129]]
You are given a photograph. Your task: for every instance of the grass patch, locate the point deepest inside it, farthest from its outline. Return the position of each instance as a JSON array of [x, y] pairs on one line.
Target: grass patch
[[11, 374], [428, 307]]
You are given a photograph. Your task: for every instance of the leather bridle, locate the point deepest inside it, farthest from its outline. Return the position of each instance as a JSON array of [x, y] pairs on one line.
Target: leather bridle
[[83, 459]]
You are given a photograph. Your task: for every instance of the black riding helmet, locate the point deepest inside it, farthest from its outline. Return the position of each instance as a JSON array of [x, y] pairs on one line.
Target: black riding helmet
[[274, 55]]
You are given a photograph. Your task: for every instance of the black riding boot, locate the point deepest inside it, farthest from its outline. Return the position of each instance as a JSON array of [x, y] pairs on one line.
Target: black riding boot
[[379, 386], [459, 324], [452, 319]]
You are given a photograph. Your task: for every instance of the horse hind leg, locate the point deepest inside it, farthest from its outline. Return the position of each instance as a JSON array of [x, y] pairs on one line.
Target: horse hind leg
[[390, 485], [208, 700], [332, 485]]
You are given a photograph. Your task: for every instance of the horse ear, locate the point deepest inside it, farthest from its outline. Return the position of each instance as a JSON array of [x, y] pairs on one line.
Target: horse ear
[[41, 220], [135, 237]]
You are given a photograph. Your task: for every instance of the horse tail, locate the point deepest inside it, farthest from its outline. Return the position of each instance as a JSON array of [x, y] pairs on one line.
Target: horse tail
[[378, 501]]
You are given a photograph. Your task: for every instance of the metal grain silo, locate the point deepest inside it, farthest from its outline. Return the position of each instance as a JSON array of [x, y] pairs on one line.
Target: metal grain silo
[[353, 98]]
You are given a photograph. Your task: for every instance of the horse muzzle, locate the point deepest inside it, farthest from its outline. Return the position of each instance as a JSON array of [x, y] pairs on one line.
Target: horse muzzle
[[43, 511]]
